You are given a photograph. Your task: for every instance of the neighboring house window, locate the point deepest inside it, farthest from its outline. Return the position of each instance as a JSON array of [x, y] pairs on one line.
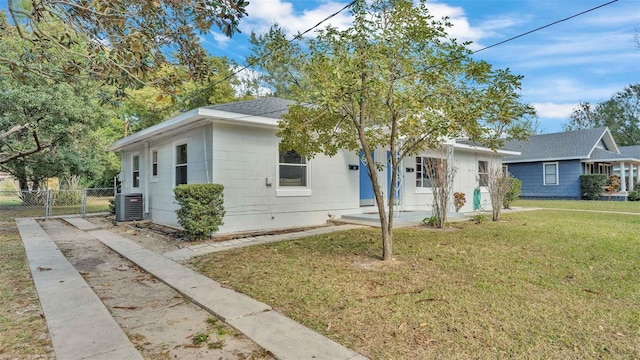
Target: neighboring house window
[[181, 164], [483, 173], [135, 165], [550, 173], [292, 169], [154, 163], [426, 169]]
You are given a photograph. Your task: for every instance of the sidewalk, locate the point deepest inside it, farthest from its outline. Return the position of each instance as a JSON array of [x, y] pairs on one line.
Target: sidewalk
[[79, 324], [283, 337]]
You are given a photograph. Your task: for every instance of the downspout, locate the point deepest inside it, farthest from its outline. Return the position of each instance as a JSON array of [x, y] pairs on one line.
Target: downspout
[[147, 173], [206, 162]]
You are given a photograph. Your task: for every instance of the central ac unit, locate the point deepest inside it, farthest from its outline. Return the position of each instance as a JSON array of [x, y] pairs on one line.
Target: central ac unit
[[129, 207]]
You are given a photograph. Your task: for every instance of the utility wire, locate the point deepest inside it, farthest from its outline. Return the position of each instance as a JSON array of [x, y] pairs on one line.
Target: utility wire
[[459, 57], [428, 68], [295, 38]]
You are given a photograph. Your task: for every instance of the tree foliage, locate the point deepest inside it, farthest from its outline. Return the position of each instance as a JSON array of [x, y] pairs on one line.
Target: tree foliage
[[393, 80], [38, 117], [149, 105], [118, 42], [621, 114]]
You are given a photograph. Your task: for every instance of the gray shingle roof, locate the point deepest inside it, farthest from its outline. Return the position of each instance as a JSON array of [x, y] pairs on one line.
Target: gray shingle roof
[[271, 107], [567, 145], [601, 154], [630, 151]]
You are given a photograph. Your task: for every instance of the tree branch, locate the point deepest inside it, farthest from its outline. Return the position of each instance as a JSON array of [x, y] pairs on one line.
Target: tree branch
[[13, 130]]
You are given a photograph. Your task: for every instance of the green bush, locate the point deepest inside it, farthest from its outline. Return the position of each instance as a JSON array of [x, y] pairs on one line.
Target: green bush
[[515, 190], [201, 209], [592, 185], [635, 194]]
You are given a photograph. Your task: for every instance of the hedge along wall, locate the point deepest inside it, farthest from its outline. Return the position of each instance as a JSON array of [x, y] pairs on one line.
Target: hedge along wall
[[201, 209], [592, 185]]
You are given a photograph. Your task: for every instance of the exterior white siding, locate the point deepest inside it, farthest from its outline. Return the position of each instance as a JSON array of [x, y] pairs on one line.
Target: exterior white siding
[[235, 145], [244, 159]]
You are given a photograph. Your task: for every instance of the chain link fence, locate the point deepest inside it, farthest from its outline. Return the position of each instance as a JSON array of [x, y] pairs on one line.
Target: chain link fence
[[46, 203]]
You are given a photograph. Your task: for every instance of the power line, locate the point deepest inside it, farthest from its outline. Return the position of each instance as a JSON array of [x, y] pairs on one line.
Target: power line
[[295, 38], [473, 52], [543, 27]]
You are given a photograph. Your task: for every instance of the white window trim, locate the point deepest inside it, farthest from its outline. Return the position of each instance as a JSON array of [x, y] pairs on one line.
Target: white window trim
[[544, 173], [292, 191], [174, 145], [135, 188], [422, 189], [482, 188], [153, 178]]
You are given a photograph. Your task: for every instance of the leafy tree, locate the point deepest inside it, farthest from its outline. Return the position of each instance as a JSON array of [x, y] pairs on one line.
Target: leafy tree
[[392, 80], [621, 114], [149, 105], [118, 42]]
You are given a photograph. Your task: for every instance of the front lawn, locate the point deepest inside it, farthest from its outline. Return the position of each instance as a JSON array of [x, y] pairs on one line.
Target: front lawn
[[23, 330], [539, 284], [618, 206]]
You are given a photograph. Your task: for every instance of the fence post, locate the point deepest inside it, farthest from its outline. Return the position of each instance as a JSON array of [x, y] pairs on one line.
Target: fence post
[[83, 200], [47, 204]]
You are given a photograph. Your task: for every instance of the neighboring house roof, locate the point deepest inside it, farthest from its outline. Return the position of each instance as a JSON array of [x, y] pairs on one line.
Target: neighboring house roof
[[569, 145], [263, 112], [632, 151]]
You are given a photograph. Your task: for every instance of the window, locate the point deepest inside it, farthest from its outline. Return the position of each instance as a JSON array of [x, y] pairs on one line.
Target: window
[[550, 173], [154, 163], [181, 164], [135, 165], [292, 169], [427, 169], [483, 173]]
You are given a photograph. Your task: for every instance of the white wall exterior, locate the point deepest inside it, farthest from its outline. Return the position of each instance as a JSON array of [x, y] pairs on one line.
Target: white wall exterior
[[241, 158], [466, 180]]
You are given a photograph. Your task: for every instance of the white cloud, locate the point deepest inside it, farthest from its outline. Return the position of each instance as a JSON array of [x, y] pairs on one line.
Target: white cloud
[[263, 14], [554, 110], [221, 40]]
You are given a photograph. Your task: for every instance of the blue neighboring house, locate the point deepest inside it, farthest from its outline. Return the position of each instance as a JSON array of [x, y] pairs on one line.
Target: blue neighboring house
[[550, 165]]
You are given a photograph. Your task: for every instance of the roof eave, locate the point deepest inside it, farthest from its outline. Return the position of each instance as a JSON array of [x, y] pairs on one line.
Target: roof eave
[[188, 118], [485, 149]]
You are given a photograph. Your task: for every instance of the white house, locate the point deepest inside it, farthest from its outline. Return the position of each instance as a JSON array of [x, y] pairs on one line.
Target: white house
[[236, 145]]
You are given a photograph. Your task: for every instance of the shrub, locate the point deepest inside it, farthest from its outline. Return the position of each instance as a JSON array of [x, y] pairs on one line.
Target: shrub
[[430, 221], [201, 209], [515, 189], [635, 194], [459, 200], [591, 185]]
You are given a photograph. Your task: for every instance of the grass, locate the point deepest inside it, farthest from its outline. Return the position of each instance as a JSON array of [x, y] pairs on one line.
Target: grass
[[541, 284], [619, 206], [23, 330]]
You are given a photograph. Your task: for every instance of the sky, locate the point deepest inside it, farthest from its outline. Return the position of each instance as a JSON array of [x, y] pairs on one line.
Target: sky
[[585, 59]]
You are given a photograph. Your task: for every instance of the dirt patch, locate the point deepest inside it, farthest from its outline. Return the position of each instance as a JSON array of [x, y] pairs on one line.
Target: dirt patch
[[376, 264], [163, 239], [159, 321]]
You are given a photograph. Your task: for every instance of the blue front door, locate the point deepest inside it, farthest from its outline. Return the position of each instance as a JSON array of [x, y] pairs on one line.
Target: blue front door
[[366, 186]]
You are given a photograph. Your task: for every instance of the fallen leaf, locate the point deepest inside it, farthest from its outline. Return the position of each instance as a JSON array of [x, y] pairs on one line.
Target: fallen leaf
[[328, 327]]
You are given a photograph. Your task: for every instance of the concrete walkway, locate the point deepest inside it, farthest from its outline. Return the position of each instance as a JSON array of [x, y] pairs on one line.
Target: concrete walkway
[[79, 324], [283, 337]]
